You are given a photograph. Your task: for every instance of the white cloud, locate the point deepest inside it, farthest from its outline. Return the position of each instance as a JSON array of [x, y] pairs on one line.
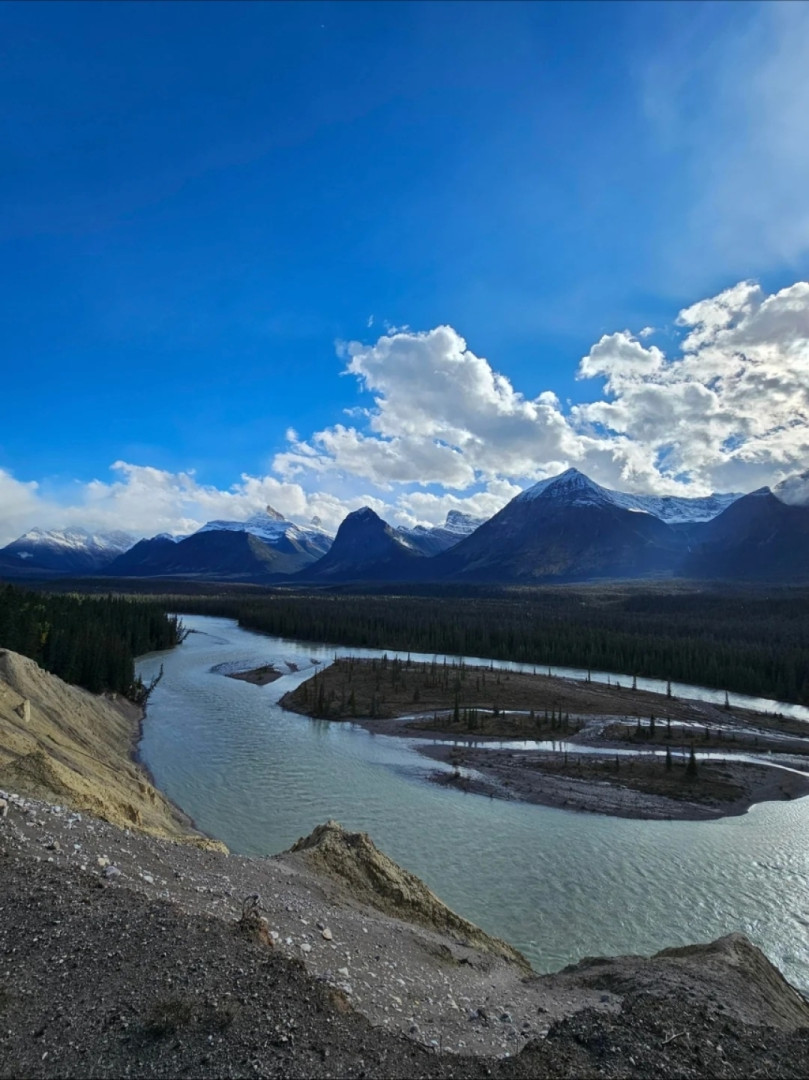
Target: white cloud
[[733, 408], [441, 415], [145, 501], [727, 410], [19, 505], [426, 508]]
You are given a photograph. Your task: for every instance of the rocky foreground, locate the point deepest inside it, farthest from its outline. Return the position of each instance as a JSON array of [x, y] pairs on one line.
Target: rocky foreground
[[131, 947], [123, 954]]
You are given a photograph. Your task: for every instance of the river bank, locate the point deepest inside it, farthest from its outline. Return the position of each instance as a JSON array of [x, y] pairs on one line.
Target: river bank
[[328, 960], [636, 787], [479, 709]]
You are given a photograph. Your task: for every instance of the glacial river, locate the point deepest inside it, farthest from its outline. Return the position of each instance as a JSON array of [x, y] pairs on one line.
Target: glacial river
[[559, 885]]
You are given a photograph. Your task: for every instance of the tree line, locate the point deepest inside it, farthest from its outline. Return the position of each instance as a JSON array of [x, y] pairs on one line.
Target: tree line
[[91, 641], [748, 642]]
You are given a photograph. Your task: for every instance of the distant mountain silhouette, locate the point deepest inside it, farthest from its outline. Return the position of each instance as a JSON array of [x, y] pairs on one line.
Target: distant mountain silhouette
[[366, 548]]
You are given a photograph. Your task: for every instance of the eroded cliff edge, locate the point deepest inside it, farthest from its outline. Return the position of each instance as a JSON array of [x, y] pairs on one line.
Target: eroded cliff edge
[[126, 951], [66, 745]]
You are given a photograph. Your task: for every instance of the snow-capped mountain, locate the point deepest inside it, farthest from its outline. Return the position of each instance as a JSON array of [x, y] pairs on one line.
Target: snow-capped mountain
[[567, 528], [265, 546], [575, 488], [63, 551], [794, 491], [432, 539], [272, 527]]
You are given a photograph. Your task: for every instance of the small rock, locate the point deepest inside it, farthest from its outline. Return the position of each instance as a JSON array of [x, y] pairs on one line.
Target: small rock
[[111, 873], [103, 861], [306, 947], [3, 807], [343, 971], [326, 933], [148, 879]]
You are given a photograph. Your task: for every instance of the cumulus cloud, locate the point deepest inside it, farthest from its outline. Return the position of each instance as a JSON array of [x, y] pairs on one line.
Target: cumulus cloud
[[145, 501], [726, 410], [424, 507], [732, 409], [441, 415]]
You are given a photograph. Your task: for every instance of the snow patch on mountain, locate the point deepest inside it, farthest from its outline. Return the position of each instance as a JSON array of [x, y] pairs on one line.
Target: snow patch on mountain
[[433, 539], [575, 489], [271, 527], [77, 540], [794, 491]]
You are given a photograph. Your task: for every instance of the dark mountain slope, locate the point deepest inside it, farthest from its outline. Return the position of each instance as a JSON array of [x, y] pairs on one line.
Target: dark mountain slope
[[366, 549], [757, 538], [565, 530], [238, 556]]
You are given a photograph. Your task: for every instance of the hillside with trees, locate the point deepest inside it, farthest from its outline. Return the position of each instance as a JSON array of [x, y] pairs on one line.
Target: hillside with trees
[[90, 641]]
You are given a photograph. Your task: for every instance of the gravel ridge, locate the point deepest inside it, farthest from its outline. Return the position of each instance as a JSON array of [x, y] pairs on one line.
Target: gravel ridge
[[123, 954]]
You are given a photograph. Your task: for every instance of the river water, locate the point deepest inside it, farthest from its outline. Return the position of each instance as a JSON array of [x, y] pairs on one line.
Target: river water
[[559, 885]]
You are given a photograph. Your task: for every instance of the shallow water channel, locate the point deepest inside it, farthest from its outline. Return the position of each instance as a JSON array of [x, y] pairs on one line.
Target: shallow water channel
[[557, 884]]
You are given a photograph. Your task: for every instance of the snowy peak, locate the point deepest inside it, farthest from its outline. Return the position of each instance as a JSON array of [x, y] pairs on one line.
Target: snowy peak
[[462, 524], [794, 490], [77, 539], [433, 539], [272, 528], [573, 488], [64, 551]]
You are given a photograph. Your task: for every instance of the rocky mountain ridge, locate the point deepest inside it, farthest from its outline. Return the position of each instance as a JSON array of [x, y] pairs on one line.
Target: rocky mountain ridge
[[564, 528]]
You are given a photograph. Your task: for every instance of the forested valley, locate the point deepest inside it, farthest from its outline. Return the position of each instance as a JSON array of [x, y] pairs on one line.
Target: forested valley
[[91, 641], [748, 641]]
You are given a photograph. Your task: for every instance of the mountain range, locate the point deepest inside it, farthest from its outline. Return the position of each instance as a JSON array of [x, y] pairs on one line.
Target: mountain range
[[564, 528], [64, 551]]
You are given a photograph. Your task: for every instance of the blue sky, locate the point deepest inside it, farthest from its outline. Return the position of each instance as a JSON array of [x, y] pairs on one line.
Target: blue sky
[[203, 204]]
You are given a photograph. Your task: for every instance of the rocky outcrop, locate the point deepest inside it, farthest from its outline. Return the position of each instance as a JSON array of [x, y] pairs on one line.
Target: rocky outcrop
[[730, 974], [374, 879]]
